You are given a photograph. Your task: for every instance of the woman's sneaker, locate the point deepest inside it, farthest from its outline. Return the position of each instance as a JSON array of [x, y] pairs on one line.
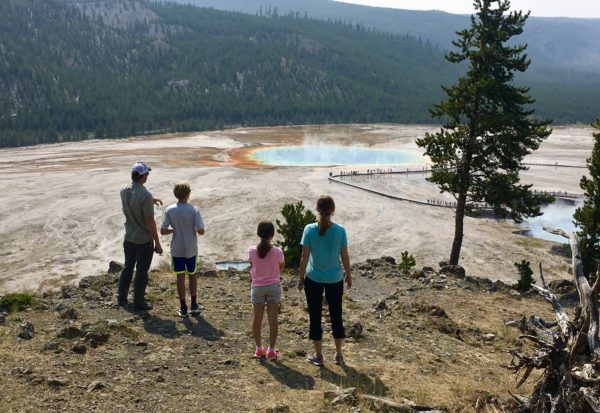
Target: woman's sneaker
[[260, 353], [195, 309], [315, 359], [272, 355], [182, 312], [339, 360]]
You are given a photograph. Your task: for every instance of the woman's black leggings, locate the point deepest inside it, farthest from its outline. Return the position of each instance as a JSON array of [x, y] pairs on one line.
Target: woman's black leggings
[[314, 298]]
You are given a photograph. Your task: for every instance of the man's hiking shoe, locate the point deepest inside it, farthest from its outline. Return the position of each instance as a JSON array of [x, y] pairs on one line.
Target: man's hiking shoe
[[272, 355], [260, 353], [339, 360], [122, 302], [142, 306], [194, 309], [315, 359], [182, 312]]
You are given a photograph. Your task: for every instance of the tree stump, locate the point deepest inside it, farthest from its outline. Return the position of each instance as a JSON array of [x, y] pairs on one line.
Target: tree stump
[[567, 351]]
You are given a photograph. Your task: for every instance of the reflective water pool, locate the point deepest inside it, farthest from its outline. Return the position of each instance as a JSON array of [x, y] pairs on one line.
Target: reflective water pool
[[236, 265], [322, 155]]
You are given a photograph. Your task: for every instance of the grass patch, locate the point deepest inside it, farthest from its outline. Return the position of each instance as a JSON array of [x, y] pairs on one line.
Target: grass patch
[[16, 302], [125, 331]]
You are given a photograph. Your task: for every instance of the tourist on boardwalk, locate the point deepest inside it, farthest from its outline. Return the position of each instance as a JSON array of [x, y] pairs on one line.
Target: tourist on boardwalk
[[184, 221], [323, 245], [266, 262], [141, 236]]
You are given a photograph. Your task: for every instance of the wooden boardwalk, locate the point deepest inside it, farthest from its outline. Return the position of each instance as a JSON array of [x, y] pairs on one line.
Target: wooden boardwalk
[[340, 179]]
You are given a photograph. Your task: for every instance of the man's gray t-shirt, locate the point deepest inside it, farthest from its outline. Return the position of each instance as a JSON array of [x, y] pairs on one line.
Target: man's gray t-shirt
[[185, 220], [137, 204]]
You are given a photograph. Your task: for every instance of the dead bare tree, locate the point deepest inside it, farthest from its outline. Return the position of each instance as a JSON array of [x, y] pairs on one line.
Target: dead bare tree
[[567, 351]]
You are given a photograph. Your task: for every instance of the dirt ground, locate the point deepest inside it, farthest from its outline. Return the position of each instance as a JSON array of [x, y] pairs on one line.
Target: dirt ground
[[62, 220], [435, 339]]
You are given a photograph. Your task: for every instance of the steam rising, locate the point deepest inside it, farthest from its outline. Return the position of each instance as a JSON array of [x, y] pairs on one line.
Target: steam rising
[[556, 215], [324, 155]]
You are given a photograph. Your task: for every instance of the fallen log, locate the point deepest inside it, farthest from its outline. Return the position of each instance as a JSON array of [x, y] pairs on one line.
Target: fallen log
[[567, 351]]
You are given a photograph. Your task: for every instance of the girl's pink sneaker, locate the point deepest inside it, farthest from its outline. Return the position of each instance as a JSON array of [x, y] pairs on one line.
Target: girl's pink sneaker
[[272, 355], [260, 353]]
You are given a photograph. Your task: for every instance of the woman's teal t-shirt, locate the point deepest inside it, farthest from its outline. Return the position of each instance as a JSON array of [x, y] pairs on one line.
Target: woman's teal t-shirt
[[324, 264]]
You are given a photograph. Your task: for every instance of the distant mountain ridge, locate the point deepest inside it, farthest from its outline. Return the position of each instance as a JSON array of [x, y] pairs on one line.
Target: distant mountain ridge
[[555, 42]]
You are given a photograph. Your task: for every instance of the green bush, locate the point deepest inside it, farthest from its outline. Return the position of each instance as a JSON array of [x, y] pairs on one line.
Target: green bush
[[296, 218], [407, 262], [564, 250], [15, 302], [525, 276]]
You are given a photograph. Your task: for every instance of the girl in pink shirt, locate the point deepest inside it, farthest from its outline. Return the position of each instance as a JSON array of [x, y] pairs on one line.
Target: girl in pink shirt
[[266, 262]]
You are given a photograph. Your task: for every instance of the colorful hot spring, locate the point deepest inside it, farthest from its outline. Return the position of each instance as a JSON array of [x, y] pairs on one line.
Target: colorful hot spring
[[328, 155]]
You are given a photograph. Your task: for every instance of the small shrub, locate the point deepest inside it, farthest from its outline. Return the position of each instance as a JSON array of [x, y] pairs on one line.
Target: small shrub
[[525, 276], [407, 263], [296, 218], [564, 250], [15, 302]]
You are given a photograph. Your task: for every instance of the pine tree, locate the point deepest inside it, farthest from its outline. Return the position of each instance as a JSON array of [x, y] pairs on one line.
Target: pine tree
[[525, 276], [478, 153], [296, 218], [587, 218]]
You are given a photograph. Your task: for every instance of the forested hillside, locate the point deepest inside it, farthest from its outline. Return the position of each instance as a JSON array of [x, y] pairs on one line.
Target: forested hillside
[[78, 69], [120, 68], [554, 43], [564, 74]]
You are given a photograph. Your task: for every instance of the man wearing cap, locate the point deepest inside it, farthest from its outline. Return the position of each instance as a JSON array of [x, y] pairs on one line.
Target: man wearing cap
[[141, 236]]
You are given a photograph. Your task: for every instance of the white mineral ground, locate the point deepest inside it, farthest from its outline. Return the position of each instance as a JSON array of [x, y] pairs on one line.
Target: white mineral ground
[[62, 219]]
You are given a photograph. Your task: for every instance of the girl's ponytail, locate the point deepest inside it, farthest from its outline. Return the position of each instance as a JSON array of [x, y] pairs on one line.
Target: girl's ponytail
[[266, 231], [325, 208]]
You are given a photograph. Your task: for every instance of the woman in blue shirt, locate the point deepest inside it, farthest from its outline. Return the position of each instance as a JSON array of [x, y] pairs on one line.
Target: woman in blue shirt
[[324, 245]]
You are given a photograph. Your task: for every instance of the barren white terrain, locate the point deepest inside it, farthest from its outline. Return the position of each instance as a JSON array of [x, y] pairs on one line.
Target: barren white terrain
[[62, 219]]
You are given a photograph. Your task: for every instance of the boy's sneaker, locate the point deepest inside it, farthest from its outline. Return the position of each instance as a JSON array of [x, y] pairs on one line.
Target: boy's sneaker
[[339, 359], [260, 353], [182, 312], [272, 355], [315, 359], [195, 309]]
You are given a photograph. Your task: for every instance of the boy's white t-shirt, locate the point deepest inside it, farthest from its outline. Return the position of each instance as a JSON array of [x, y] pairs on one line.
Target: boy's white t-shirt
[[185, 220]]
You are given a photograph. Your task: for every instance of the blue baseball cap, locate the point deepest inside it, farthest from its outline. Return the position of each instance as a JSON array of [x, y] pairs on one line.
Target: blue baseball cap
[[140, 168]]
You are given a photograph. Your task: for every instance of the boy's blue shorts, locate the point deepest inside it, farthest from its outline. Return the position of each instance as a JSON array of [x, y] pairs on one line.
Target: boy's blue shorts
[[182, 265]]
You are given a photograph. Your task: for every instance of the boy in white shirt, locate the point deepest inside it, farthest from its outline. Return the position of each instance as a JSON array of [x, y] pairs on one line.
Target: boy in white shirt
[[184, 221]]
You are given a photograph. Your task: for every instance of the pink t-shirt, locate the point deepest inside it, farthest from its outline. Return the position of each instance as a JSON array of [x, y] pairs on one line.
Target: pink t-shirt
[[265, 271]]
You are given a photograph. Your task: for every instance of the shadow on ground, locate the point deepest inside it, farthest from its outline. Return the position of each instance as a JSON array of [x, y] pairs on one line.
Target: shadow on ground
[[290, 377], [365, 383], [196, 326]]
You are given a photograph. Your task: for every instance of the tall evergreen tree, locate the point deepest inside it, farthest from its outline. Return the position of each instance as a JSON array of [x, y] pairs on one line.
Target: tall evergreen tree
[[489, 129], [587, 218]]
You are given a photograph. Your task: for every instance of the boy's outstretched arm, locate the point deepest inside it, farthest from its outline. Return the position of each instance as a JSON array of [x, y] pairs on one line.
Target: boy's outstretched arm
[[166, 231]]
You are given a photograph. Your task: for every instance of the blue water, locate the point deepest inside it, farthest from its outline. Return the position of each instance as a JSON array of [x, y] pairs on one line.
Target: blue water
[[328, 155], [556, 215], [236, 265]]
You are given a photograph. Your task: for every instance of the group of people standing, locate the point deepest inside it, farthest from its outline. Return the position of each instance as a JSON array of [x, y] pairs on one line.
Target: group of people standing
[[324, 264]]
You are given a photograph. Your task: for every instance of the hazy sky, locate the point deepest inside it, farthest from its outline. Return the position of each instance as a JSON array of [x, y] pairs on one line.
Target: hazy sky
[[545, 8]]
